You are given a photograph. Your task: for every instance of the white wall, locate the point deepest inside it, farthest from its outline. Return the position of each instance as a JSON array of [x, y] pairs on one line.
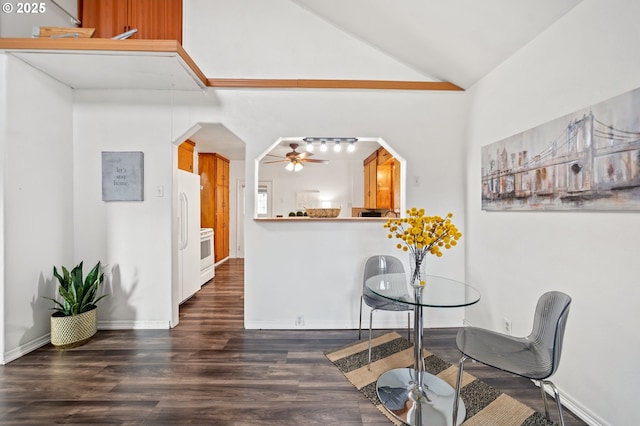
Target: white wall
[[314, 269], [37, 138], [586, 57], [278, 39], [236, 220], [3, 148], [16, 24], [133, 239]]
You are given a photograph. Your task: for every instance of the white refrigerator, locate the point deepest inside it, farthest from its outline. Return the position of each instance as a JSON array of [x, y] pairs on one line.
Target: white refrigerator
[[188, 234]]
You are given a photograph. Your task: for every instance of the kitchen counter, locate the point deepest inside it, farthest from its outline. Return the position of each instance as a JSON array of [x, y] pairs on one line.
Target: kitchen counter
[[320, 219]]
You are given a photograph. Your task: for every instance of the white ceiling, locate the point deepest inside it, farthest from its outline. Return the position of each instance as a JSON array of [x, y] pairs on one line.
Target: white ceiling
[[86, 69], [459, 41], [215, 137]]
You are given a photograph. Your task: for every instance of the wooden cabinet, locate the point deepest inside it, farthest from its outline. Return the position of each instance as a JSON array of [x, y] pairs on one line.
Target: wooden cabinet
[[381, 181], [214, 200], [370, 178], [154, 19], [185, 155]]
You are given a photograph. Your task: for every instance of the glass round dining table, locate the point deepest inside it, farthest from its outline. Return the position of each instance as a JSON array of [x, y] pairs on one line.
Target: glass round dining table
[[412, 395]]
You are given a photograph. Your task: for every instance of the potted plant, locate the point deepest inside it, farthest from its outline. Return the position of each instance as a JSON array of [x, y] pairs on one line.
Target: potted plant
[[74, 321]]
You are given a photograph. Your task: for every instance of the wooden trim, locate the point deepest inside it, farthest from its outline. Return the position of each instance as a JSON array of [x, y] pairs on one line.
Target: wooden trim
[[172, 46], [291, 219], [97, 44], [103, 45], [187, 59], [61, 31], [331, 84]]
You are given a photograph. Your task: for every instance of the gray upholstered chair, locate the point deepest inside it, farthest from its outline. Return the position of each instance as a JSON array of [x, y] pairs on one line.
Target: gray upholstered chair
[[535, 357], [376, 265]]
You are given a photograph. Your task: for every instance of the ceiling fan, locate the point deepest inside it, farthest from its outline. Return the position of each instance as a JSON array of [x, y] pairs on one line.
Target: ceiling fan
[[295, 158]]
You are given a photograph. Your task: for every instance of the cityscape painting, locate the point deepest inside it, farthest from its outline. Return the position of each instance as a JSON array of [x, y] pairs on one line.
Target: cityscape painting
[[588, 160]]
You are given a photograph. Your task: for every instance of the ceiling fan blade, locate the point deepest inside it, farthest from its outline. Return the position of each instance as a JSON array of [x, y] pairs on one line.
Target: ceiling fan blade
[[277, 161], [273, 155], [293, 154], [309, 160], [304, 155]]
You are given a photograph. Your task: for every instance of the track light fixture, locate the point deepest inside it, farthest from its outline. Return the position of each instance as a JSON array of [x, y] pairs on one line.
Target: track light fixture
[[336, 141]]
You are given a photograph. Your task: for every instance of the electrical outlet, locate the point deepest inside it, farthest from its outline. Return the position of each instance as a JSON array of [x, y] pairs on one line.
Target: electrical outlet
[[299, 320], [507, 325]]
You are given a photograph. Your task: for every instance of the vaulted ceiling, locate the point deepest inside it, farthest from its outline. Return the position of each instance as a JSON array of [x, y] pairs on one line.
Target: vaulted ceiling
[[459, 41]]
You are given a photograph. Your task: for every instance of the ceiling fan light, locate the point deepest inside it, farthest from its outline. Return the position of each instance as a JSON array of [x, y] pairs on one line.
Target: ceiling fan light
[[297, 167], [337, 147], [289, 166]]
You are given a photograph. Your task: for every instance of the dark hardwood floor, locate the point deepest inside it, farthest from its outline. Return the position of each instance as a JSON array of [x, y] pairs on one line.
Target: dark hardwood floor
[[208, 370]]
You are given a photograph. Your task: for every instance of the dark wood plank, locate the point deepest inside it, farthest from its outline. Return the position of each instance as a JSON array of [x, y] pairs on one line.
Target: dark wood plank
[[208, 370]]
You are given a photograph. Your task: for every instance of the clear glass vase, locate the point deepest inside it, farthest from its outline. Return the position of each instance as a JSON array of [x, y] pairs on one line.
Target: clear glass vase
[[418, 274]]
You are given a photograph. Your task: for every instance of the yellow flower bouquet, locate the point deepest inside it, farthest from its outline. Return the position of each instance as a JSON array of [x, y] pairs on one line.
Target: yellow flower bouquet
[[419, 235]]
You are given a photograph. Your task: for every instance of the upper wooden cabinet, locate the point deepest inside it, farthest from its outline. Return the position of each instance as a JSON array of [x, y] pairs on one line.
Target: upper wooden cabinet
[[185, 155], [381, 181], [154, 19]]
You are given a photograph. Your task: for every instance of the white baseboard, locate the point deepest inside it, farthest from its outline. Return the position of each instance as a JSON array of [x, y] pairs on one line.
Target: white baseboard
[[576, 408], [21, 350], [31, 346], [133, 325], [340, 325]]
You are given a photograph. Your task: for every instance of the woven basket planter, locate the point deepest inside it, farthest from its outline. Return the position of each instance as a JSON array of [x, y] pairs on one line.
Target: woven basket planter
[[72, 331]]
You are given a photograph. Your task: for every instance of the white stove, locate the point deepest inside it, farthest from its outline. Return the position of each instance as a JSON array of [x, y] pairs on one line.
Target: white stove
[[207, 268]]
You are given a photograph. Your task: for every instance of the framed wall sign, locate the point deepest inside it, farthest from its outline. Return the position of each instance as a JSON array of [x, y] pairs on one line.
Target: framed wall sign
[[123, 176]]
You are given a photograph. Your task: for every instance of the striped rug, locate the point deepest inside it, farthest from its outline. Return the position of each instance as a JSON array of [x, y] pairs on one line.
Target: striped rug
[[485, 405]]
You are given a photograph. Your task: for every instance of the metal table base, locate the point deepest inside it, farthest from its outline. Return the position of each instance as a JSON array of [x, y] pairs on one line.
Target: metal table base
[[429, 404]]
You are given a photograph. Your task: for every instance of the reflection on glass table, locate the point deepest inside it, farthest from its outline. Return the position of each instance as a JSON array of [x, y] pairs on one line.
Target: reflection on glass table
[[413, 396]]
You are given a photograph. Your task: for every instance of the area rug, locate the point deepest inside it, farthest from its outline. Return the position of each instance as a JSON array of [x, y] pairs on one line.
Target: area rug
[[486, 406]]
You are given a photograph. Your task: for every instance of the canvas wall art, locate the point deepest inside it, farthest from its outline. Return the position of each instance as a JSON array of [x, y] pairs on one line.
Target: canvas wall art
[[588, 160], [123, 176]]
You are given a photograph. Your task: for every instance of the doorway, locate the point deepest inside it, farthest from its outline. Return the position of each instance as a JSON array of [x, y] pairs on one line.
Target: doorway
[[214, 138]]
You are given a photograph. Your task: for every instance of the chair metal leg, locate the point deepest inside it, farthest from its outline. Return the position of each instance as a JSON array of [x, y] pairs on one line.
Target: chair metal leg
[[458, 386], [556, 395], [360, 323], [370, 327], [409, 326], [544, 399]]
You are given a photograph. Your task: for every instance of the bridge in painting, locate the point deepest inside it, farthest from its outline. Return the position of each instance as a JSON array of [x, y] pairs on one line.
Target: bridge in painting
[[589, 160]]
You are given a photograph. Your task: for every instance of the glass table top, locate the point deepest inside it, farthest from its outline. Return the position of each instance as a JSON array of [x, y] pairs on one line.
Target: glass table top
[[439, 292]]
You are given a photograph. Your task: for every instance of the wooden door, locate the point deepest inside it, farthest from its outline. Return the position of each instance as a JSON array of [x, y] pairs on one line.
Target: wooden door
[[396, 185], [108, 17], [221, 236], [383, 186], [206, 170], [156, 19], [370, 170]]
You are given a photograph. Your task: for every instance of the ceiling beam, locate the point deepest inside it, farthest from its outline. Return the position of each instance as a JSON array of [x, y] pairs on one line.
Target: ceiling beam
[[330, 84]]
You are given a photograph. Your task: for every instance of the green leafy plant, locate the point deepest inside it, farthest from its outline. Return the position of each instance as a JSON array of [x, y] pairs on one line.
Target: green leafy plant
[[78, 295]]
